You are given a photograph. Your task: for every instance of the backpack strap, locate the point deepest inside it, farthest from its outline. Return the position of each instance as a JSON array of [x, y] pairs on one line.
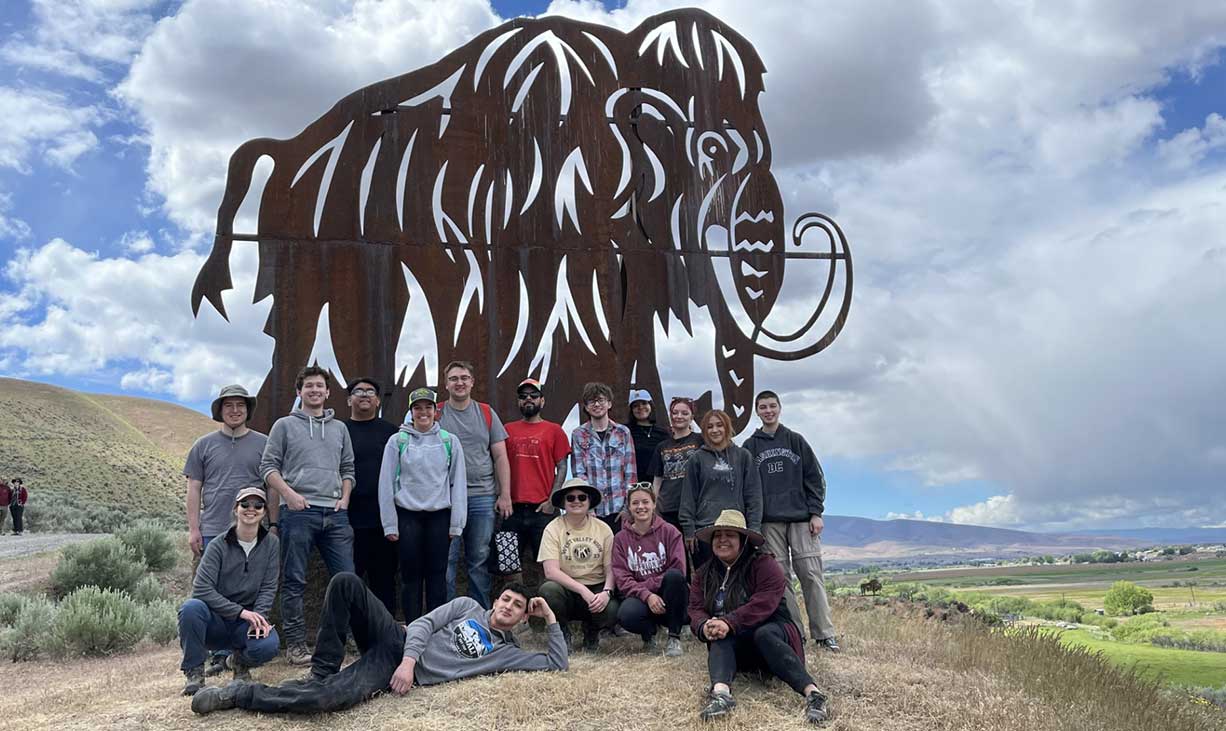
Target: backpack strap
[[402, 441], [446, 437], [489, 415]]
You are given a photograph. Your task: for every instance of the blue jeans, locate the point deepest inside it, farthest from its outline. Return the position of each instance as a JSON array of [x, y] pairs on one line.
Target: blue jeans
[[200, 630], [478, 532], [300, 530]]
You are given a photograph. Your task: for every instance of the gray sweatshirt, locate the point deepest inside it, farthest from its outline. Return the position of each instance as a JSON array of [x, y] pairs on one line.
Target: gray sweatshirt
[[456, 641], [311, 456], [428, 479], [229, 580]]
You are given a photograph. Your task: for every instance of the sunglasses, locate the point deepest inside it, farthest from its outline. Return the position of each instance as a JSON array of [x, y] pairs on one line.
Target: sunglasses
[[577, 498], [251, 504], [529, 396]]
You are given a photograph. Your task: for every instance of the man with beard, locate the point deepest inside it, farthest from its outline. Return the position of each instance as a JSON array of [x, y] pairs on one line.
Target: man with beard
[[374, 557], [537, 450]]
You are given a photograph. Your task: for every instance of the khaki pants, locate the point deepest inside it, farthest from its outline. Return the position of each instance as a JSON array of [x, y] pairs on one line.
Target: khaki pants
[[798, 550]]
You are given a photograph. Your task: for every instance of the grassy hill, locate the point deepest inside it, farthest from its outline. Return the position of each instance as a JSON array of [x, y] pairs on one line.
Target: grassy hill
[[88, 449]]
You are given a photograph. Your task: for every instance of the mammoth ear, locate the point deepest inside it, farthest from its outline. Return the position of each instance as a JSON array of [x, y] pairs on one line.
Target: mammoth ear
[[648, 123]]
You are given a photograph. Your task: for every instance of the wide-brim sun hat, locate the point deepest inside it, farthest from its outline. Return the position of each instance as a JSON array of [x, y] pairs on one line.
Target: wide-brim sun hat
[[730, 520], [558, 496], [233, 391]]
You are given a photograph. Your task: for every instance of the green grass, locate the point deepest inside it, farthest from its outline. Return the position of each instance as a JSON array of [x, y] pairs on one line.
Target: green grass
[[1173, 667]]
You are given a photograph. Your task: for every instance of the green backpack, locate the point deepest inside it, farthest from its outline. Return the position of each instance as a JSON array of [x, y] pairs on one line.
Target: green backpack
[[402, 441]]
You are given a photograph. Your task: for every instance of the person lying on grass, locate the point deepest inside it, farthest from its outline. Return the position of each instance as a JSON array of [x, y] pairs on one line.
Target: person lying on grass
[[737, 607], [232, 594], [457, 640]]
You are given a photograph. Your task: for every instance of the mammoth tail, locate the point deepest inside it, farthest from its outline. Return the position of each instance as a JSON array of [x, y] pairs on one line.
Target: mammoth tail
[[214, 277]]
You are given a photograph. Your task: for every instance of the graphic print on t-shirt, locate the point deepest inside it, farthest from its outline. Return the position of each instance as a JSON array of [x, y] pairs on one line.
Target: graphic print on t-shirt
[[646, 563], [675, 460], [582, 551], [471, 639]]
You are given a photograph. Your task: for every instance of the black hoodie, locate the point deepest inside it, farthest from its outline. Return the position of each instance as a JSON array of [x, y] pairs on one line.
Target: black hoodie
[[793, 485]]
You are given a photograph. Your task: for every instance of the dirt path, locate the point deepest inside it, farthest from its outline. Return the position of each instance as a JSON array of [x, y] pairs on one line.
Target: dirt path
[[30, 543], [27, 561]]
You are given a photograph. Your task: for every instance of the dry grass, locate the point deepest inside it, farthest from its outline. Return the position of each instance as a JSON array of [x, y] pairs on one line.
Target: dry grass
[[900, 672]]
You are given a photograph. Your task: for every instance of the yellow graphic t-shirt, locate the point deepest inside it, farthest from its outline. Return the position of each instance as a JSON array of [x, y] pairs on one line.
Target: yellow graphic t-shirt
[[579, 553]]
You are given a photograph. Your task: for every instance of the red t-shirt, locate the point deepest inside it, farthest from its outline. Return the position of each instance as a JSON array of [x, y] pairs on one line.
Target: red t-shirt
[[534, 451]]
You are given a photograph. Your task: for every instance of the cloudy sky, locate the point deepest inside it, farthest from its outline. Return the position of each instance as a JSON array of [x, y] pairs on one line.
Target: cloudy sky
[[1033, 193]]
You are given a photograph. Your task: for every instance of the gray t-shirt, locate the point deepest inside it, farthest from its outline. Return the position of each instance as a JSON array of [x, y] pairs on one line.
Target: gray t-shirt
[[469, 425], [224, 465]]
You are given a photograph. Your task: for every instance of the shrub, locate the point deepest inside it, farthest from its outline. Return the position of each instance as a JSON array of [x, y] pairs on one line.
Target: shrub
[[30, 632], [93, 621], [54, 513], [105, 563], [10, 605], [1125, 597], [148, 590], [1098, 620], [1140, 629], [152, 544], [161, 620]]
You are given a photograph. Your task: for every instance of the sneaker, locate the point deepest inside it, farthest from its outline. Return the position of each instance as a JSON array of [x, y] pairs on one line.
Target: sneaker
[[830, 644], [241, 671], [719, 704], [297, 653], [195, 680], [815, 708], [215, 699], [620, 631], [673, 648], [649, 645], [591, 640], [217, 664], [570, 639]]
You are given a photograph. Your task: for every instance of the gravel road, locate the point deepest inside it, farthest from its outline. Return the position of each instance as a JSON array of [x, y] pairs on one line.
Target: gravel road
[[12, 546]]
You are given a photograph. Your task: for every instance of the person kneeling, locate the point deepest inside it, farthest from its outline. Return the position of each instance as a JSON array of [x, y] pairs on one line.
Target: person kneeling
[[737, 607], [231, 596], [649, 566], [457, 640]]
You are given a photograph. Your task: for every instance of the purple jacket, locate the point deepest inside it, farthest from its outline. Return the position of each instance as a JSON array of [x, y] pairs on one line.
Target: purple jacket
[[639, 561]]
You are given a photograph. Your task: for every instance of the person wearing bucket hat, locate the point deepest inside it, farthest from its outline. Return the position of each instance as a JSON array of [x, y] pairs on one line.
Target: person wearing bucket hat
[[423, 502], [737, 608], [232, 595], [644, 432], [577, 556], [218, 464]]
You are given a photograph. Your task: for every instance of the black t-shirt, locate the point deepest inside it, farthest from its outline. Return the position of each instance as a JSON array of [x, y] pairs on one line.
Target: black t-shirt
[[369, 438], [646, 439], [669, 463]]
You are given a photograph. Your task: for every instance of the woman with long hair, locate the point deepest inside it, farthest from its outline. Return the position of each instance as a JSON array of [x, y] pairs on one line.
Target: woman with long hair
[[737, 607], [671, 457], [720, 476]]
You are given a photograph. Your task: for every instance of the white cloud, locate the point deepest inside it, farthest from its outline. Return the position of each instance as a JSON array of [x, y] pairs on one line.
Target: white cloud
[[1190, 146], [917, 515], [11, 227], [44, 124], [73, 37]]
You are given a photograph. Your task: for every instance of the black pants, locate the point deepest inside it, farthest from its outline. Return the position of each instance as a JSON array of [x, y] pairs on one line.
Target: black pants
[[348, 607], [17, 511], [375, 559], [529, 524], [423, 544], [637, 617], [763, 648]]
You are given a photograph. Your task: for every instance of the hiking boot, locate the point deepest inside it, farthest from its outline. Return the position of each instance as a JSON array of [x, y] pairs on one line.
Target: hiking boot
[[650, 646], [591, 639], [815, 708], [217, 664], [673, 648], [620, 631], [830, 644], [241, 671], [719, 704], [215, 699], [297, 653], [195, 680]]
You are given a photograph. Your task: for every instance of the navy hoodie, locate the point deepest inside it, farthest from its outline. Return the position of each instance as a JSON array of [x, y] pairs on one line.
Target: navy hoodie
[[793, 485]]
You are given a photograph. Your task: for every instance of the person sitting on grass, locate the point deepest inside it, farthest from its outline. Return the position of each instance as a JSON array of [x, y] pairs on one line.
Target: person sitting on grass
[[649, 567], [737, 607], [232, 594], [457, 640], [576, 556]]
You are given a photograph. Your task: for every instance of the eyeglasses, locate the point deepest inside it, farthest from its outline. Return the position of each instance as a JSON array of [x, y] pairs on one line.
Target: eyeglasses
[[459, 379], [577, 497], [595, 401], [364, 392], [251, 504]]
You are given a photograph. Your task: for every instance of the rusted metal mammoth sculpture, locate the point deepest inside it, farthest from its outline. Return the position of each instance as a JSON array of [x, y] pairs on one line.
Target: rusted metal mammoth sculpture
[[594, 180]]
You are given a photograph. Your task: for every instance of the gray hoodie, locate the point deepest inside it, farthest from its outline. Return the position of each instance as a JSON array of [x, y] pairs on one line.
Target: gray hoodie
[[427, 481], [456, 641], [229, 580], [311, 457]]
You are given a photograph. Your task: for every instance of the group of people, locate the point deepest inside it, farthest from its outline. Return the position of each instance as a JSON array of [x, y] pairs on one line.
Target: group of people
[[656, 528], [13, 497]]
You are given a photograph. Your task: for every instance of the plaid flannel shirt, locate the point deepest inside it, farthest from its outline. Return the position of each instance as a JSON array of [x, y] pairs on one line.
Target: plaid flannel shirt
[[608, 467]]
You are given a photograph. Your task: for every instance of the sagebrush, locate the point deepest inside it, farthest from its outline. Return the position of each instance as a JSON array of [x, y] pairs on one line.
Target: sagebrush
[[105, 563], [152, 544], [93, 621]]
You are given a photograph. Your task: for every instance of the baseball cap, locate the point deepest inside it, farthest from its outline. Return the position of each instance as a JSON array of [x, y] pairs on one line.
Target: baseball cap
[[640, 394], [422, 394], [530, 383]]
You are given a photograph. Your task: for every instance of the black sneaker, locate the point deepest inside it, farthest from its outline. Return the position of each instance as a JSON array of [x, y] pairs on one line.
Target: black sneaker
[[215, 699], [195, 680], [815, 708], [569, 638], [241, 671], [217, 664], [830, 644], [719, 704], [591, 639]]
